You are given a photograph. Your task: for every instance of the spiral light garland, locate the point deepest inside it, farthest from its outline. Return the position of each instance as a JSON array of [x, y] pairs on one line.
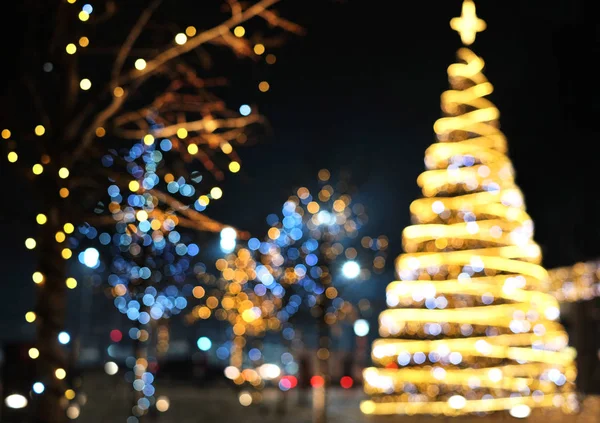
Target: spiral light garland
[[470, 326]]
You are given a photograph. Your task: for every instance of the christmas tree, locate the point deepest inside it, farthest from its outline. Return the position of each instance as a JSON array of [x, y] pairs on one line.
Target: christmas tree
[[470, 327]]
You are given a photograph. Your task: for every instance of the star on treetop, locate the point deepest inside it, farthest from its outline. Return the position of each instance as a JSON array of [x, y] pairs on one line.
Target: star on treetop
[[468, 24]]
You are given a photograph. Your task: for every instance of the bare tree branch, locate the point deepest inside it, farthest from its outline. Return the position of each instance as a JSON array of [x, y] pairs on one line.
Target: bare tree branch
[[205, 124], [37, 100], [131, 39], [204, 37], [100, 119], [191, 214], [275, 20]]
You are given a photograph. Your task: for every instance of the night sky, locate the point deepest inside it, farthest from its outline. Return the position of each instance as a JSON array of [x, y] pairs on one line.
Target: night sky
[[360, 93]]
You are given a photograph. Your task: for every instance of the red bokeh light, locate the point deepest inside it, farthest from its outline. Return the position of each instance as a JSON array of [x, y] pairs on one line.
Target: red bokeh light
[[116, 335], [317, 381], [346, 382], [391, 365]]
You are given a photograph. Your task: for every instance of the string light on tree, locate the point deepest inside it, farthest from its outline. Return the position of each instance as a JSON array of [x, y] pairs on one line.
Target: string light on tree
[[66, 152], [470, 326]]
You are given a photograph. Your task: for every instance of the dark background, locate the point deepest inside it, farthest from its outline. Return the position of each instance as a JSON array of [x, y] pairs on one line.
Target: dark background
[[360, 92]]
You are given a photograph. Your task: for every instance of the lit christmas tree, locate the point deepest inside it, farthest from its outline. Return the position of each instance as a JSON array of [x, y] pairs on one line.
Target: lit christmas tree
[[470, 327]]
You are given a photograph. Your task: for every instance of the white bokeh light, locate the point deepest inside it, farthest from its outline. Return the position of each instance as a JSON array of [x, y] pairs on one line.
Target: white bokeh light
[[351, 269], [111, 368], [15, 401], [361, 327], [91, 257]]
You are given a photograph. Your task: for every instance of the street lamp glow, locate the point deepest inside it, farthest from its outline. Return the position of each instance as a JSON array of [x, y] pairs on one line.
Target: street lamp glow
[[227, 245], [228, 236], [361, 327], [520, 411], [269, 371], [15, 401], [38, 387], [64, 338], [111, 368], [351, 269], [228, 233], [204, 344], [91, 257]]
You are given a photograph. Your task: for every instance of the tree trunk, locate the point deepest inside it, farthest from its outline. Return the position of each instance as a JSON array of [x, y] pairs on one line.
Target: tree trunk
[[51, 311], [320, 392], [140, 351]]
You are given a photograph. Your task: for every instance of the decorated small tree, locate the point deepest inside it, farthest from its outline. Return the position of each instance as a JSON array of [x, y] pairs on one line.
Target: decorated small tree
[[470, 326]]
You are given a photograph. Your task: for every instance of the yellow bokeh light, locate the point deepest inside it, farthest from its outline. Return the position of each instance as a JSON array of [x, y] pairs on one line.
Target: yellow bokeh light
[[162, 404], [216, 193], [41, 219], [263, 86], [13, 157], [182, 133], [239, 329], [181, 38], [39, 130], [85, 84], [84, 41], [60, 373], [30, 317], [100, 132], [190, 31], [34, 353], [331, 292], [5, 134], [324, 175], [148, 139], [71, 1], [312, 207], [203, 200], [30, 243], [273, 233], [69, 228], [140, 64], [71, 48], [226, 148], [63, 192], [142, 215], [134, 186], [198, 292], [37, 169], [259, 49], [234, 167], [37, 277], [120, 290], [192, 149], [71, 283], [118, 92], [239, 31], [63, 173], [66, 253], [204, 312], [69, 394], [60, 236], [83, 16]]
